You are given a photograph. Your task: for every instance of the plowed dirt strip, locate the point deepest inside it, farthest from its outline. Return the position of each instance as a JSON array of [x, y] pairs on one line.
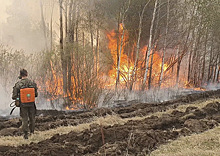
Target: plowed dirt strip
[[108, 120], [53, 119], [134, 137]]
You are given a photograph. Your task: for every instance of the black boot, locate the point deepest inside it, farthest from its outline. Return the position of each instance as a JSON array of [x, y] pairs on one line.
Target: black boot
[[32, 132], [25, 135]]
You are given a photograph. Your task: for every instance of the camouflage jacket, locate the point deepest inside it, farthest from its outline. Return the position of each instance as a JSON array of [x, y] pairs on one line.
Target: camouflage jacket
[[23, 83]]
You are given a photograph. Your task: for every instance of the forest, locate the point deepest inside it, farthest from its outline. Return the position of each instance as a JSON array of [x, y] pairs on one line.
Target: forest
[[87, 51]]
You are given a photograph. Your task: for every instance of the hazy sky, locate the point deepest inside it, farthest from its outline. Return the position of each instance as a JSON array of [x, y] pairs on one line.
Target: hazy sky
[[21, 30], [3, 6]]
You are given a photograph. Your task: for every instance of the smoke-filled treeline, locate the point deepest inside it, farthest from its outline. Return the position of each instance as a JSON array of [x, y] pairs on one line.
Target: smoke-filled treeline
[[124, 44]]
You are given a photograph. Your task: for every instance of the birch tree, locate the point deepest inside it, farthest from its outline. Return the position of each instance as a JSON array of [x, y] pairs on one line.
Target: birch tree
[[149, 45], [44, 25], [121, 45], [62, 52], [138, 45], [165, 44]]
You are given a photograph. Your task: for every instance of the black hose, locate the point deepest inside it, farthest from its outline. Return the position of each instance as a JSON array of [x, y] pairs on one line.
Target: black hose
[[12, 110], [12, 104]]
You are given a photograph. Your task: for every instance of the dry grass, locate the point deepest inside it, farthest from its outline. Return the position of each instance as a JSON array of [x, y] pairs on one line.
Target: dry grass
[[204, 144], [108, 120]]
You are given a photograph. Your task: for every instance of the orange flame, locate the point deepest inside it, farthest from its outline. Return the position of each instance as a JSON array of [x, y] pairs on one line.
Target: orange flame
[[116, 44], [69, 108], [127, 62]]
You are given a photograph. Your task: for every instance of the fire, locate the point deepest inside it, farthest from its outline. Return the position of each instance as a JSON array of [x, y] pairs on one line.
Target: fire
[[199, 89], [54, 86], [189, 85], [127, 62], [116, 45], [69, 108], [119, 47]]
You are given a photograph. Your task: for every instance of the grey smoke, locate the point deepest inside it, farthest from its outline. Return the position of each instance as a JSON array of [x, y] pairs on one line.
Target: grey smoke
[[5, 101], [21, 24]]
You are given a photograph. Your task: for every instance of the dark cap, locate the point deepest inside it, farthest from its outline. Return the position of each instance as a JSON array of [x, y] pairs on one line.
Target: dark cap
[[23, 73]]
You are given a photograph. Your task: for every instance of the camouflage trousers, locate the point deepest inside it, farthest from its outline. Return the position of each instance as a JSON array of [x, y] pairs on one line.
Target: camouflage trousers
[[27, 114]]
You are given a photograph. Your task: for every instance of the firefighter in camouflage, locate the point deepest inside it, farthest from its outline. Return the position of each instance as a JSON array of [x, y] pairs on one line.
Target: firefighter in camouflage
[[27, 110]]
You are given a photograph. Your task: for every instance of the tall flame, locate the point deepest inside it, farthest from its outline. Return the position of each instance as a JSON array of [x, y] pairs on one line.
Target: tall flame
[[119, 47], [127, 62], [116, 44]]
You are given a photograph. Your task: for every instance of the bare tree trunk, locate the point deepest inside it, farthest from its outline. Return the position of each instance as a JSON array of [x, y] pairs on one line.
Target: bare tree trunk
[[91, 39], [151, 68], [121, 46], [218, 71], [119, 59], [77, 57], [83, 36], [210, 63], [204, 55], [62, 54], [66, 22], [44, 25], [217, 78], [70, 40], [198, 58], [118, 35], [155, 39], [215, 72], [71, 22], [194, 72], [189, 67], [51, 28], [91, 31], [178, 66], [97, 51], [194, 60], [138, 45], [51, 46], [165, 44], [149, 45]]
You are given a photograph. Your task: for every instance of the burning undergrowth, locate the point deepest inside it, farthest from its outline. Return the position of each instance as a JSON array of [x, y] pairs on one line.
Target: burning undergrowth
[[91, 87], [91, 82]]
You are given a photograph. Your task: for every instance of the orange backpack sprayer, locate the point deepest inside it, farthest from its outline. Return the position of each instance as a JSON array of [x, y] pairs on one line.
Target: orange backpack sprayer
[[27, 95]]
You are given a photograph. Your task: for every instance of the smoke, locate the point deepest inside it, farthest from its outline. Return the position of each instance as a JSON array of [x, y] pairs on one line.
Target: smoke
[[21, 24], [3, 7], [213, 86], [125, 97], [5, 102]]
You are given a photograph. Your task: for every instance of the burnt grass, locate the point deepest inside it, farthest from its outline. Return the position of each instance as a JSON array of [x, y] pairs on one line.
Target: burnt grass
[[133, 138]]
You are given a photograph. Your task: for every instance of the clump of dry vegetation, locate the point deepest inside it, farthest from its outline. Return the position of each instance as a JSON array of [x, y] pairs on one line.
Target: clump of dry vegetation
[[204, 144]]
